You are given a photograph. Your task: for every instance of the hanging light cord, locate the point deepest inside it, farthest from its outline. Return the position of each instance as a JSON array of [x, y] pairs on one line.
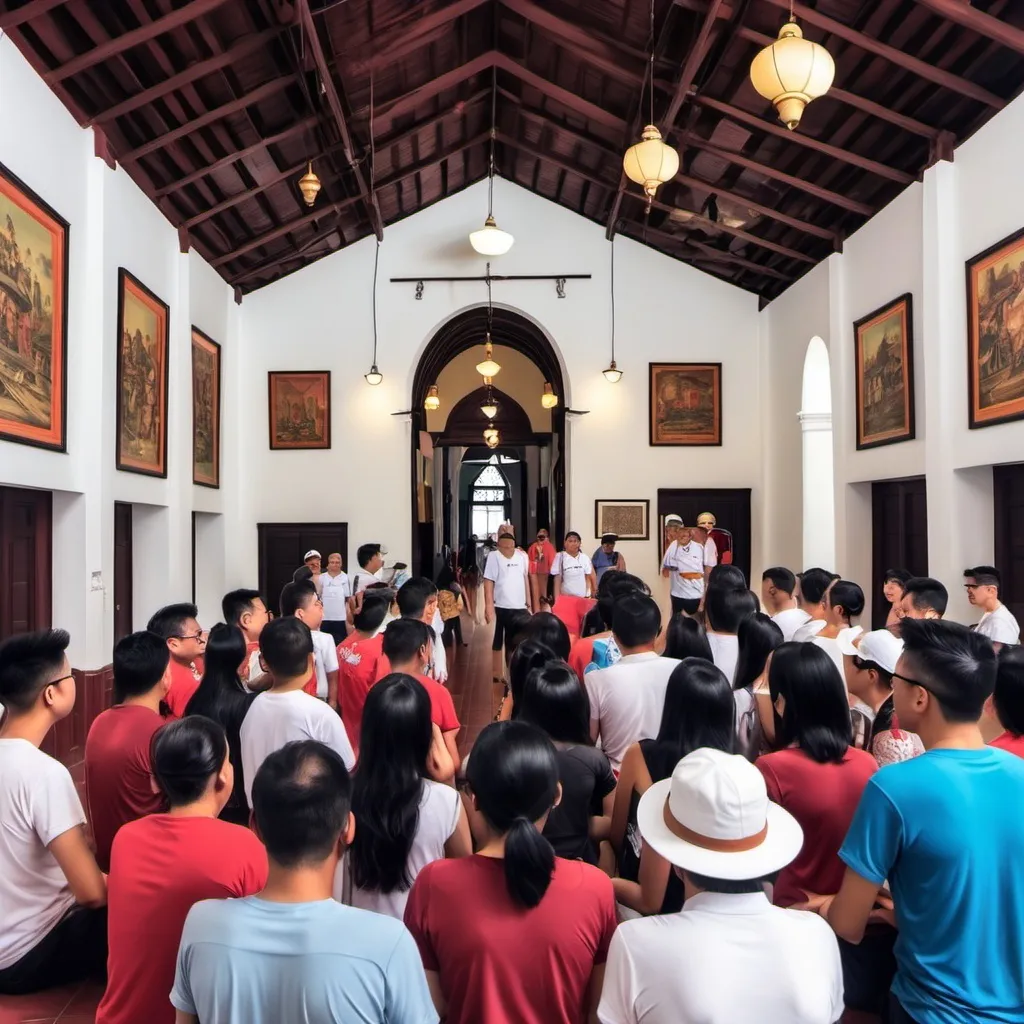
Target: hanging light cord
[[613, 298], [376, 260], [490, 308], [494, 132], [652, 62]]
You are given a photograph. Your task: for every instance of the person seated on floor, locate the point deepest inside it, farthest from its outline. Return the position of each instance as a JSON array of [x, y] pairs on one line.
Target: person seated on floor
[[513, 933], [406, 820], [163, 863], [598, 649], [53, 897], [1007, 701], [291, 953], [286, 712], [844, 602], [177, 625], [814, 584], [527, 656], [725, 608], [118, 775], [777, 588], [247, 610]]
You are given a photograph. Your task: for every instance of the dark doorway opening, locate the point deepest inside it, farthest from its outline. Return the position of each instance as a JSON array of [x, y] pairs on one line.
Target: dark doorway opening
[[123, 618], [26, 567], [282, 545], [899, 535], [1008, 500], [729, 505]]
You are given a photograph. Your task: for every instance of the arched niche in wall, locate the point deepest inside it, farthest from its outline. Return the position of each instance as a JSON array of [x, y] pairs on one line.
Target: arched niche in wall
[[819, 540], [466, 423]]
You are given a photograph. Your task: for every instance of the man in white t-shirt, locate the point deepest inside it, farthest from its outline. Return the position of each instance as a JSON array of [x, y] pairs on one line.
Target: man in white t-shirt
[[684, 565], [371, 560], [506, 591], [285, 712], [301, 601], [777, 587], [728, 956], [335, 590], [814, 584], [53, 918], [627, 699], [572, 570], [998, 623]]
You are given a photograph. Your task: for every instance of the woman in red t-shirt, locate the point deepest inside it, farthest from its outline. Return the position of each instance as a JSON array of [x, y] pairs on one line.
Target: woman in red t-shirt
[[514, 932]]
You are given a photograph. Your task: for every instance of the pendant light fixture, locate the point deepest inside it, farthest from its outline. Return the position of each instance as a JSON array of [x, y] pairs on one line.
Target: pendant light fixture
[[492, 438], [650, 162], [433, 400], [488, 368], [374, 377], [309, 185], [549, 399], [792, 71], [613, 374], [490, 240], [489, 407]]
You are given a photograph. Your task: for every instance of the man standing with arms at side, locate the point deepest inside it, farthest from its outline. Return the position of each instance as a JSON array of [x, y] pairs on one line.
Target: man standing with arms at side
[[685, 567], [505, 592], [335, 590], [542, 555]]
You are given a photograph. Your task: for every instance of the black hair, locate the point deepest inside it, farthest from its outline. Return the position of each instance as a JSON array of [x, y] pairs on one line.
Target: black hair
[[554, 701], [611, 587], [899, 576], [686, 638], [403, 639], [365, 552], [373, 612], [387, 787], [699, 711], [527, 656], [725, 609], [220, 686], [757, 636], [27, 664], [302, 574], [286, 645], [985, 576], [170, 620], [515, 627], [813, 584], [548, 629], [730, 886], [513, 774], [725, 576], [636, 620], [295, 596], [414, 597], [1008, 695], [781, 578], [953, 663], [445, 578], [927, 594], [301, 798], [140, 661], [236, 603], [816, 715], [848, 596], [185, 755]]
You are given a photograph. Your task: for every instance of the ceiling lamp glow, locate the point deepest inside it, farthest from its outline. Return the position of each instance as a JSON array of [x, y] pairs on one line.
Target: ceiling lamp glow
[[650, 162], [791, 72], [549, 399], [612, 374], [433, 400], [488, 368], [309, 185], [374, 377], [492, 438]]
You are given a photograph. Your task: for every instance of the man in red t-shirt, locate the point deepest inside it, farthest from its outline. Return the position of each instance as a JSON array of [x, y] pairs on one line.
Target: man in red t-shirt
[[177, 625], [247, 610], [163, 864], [359, 657], [1007, 701], [118, 779]]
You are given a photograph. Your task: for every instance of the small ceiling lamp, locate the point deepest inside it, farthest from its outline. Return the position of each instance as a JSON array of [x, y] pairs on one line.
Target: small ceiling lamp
[[792, 71], [374, 377], [309, 185], [488, 368], [490, 240], [489, 407], [613, 374], [549, 399], [433, 400], [492, 438]]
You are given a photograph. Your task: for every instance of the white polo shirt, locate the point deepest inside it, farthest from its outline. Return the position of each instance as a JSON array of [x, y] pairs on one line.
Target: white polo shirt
[[729, 958], [999, 626], [789, 620], [336, 591], [325, 659], [574, 570], [680, 558], [627, 700], [509, 578]]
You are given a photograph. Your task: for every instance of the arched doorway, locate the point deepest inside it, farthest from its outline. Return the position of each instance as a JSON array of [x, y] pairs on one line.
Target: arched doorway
[[819, 536], [464, 425]]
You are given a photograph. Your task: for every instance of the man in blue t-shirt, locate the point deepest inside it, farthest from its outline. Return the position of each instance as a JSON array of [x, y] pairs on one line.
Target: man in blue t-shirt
[[291, 953], [945, 832]]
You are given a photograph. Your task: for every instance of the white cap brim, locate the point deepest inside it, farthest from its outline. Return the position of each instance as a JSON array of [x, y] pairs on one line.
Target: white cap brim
[[845, 638], [673, 519], [312, 553], [780, 847]]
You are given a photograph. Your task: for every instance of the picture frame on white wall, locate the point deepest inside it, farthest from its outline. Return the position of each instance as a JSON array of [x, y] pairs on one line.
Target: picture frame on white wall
[[685, 404], [628, 519]]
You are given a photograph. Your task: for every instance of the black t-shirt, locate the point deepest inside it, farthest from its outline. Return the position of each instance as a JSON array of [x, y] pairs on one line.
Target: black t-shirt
[[586, 778]]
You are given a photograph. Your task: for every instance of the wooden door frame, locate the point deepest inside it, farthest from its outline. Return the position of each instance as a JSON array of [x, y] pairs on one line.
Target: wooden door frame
[[42, 592], [261, 560], [131, 565]]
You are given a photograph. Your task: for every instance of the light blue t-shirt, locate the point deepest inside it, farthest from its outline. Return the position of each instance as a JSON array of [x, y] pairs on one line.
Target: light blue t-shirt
[[250, 961], [947, 830]]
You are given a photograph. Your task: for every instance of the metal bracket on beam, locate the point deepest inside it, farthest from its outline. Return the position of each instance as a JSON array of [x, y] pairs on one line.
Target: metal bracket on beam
[[559, 279], [419, 290], [560, 287]]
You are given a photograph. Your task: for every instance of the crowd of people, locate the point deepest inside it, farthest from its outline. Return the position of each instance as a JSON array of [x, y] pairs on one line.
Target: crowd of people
[[753, 811]]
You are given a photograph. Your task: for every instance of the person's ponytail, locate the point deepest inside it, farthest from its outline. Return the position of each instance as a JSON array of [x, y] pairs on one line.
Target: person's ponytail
[[529, 863]]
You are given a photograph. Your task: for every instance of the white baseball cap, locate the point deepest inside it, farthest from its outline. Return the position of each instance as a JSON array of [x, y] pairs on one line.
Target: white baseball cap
[[878, 646], [673, 520], [713, 817], [311, 553]]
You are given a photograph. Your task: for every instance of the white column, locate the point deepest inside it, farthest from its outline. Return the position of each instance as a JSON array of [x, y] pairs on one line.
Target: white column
[[818, 494]]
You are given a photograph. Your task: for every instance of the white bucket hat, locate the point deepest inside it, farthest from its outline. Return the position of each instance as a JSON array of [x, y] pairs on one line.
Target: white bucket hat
[[713, 817], [878, 646]]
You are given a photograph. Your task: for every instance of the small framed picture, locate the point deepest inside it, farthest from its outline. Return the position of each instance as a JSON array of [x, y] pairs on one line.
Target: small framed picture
[[205, 410], [300, 409], [685, 404], [628, 519]]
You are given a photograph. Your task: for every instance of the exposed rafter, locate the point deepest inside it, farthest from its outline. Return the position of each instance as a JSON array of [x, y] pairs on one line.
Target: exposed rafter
[[26, 12], [978, 21]]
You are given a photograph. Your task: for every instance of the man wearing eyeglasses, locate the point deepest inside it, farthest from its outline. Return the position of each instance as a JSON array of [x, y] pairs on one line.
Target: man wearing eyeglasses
[[998, 623], [186, 641]]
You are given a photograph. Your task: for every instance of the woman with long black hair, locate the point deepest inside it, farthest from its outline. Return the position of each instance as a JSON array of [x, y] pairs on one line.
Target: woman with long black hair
[[526, 656], [404, 819], [758, 636], [223, 698], [512, 933], [699, 712]]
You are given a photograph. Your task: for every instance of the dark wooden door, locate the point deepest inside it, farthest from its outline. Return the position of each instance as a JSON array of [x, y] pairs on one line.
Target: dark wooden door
[[282, 545], [122, 569], [1008, 495], [899, 532], [26, 569], [729, 506]]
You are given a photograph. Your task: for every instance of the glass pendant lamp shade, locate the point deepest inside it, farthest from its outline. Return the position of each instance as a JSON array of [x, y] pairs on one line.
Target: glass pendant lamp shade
[[490, 240], [488, 368], [650, 162], [433, 400], [549, 399], [791, 72], [612, 374], [489, 409], [492, 438], [374, 377]]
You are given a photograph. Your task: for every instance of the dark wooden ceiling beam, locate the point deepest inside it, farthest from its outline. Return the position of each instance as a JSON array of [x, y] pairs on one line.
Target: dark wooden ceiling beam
[[125, 41], [805, 140], [27, 12], [978, 21], [410, 101], [340, 120]]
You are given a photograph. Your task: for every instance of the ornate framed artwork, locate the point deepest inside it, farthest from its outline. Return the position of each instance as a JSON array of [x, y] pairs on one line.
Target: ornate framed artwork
[[205, 410], [300, 409], [142, 354], [995, 333], [33, 317], [685, 404], [883, 343], [627, 519]]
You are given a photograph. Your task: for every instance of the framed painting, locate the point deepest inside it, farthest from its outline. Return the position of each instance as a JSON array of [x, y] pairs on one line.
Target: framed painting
[[33, 318], [685, 404], [883, 344], [142, 354], [628, 520], [205, 410], [995, 333], [300, 409]]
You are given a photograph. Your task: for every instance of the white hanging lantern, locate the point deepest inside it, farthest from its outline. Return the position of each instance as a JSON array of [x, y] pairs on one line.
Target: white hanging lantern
[[791, 72], [650, 162], [433, 400], [490, 240]]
